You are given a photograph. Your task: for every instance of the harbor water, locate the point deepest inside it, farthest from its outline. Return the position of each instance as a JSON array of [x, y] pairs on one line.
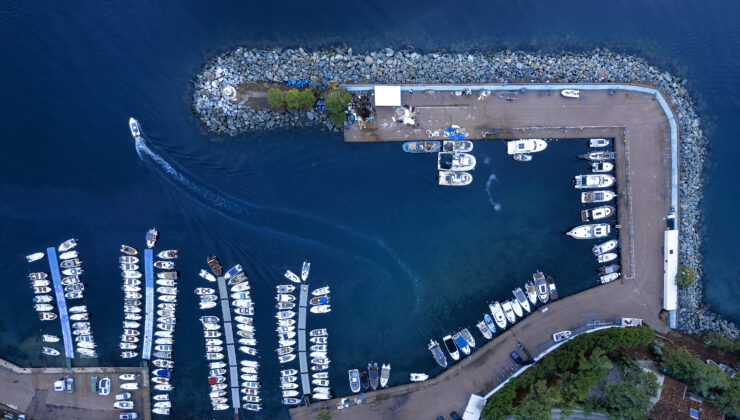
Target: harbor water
[[406, 259]]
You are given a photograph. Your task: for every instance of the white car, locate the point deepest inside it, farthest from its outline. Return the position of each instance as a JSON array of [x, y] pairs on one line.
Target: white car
[[560, 336], [104, 386], [59, 385]]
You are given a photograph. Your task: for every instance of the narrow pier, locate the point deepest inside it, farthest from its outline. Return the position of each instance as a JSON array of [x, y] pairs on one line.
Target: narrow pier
[[223, 293], [69, 351], [146, 351], [305, 379]]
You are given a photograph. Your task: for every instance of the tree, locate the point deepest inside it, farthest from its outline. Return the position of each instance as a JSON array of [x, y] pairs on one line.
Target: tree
[[324, 414], [276, 98], [538, 403], [685, 277], [293, 99], [626, 400], [307, 99], [701, 377], [336, 100]]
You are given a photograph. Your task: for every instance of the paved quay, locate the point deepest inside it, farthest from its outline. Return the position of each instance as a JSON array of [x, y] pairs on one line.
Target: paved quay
[[643, 169], [31, 391]]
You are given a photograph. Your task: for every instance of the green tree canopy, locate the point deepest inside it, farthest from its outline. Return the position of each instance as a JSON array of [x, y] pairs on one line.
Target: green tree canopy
[[307, 99], [276, 98], [685, 277], [293, 99]]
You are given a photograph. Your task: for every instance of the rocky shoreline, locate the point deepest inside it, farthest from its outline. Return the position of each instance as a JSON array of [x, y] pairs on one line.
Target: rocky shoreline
[[223, 113]]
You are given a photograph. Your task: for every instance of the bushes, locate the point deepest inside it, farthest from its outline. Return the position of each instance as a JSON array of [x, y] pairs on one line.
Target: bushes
[[719, 341], [276, 98], [685, 277], [304, 99], [336, 100]]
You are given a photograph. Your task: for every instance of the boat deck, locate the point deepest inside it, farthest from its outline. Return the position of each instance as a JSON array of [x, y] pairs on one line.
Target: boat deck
[[223, 292], [69, 351], [305, 374], [146, 350]]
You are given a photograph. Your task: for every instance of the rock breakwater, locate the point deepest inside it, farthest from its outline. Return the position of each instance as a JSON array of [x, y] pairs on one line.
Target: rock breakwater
[[222, 113]]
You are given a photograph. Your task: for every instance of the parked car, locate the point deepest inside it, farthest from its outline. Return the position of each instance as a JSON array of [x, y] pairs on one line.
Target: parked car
[[94, 384], [123, 396], [559, 336], [515, 356], [455, 416], [127, 416], [104, 386], [70, 383], [59, 385]]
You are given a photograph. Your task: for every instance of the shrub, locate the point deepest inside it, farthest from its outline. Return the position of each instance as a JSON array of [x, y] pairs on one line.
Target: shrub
[[276, 98], [293, 99], [324, 414], [685, 277], [719, 341], [335, 101], [307, 99]]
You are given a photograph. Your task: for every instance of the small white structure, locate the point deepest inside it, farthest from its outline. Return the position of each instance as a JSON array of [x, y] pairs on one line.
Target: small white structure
[[229, 93], [474, 408], [670, 269], [387, 95]]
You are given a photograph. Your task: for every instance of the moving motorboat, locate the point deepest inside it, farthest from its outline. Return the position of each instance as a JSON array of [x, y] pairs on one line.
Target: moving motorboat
[[453, 178], [133, 125], [601, 196], [385, 373], [151, 237], [525, 146], [593, 181], [468, 337], [461, 343], [606, 278], [597, 213], [606, 257], [451, 347], [599, 230], [508, 312], [598, 142], [354, 380], [551, 288], [605, 247], [168, 254], [305, 269], [372, 369], [601, 167], [35, 256], [462, 146], [598, 156], [483, 328], [541, 284], [521, 299], [570, 93], [67, 245], [498, 314], [292, 276], [439, 356], [418, 377], [421, 147], [458, 162], [129, 250]]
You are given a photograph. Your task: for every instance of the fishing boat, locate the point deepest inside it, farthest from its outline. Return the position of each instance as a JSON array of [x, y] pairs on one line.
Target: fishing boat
[[468, 337], [605, 247], [601, 167], [525, 146], [168, 275], [541, 284], [598, 156], [570, 93], [72, 271], [42, 299], [458, 162], [130, 274], [451, 347], [305, 270], [285, 288], [129, 250], [151, 237], [35, 256], [606, 257], [67, 245], [168, 254], [606, 278], [354, 380], [461, 343], [321, 332], [608, 269], [164, 265], [498, 314], [321, 291], [454, 178], [40, 290], [593, 181], [598, 230], [601, 196], [490, 324], [418, 377], [206, 275], [551, 288], [50, 351], [128, 259], [48, 338], [597, 213], [521, 299], [517, 308], [70, 263], [320, 309], [421, 147], [462, 146], [292, 276], [483, 328], [372, 369]]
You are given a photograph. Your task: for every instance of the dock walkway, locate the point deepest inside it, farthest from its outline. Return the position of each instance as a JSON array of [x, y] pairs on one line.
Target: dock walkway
[[146, 351], [69, 351], [305, 378], [223, 293]]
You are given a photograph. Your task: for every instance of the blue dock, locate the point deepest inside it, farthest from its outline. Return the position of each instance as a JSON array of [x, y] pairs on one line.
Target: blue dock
[[223, 293], [146, 351], [305, 379], [69, 351]]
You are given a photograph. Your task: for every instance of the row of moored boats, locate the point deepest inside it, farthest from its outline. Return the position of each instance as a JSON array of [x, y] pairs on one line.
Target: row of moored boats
[[453, 159]]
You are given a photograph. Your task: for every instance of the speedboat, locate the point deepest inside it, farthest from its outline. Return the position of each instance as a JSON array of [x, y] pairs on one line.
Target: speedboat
[[285, 314], [129, 250], [461, 343], [451, 347], [593, 181], [322, 332], [233, 271], [207, 305], [321, 309], [67, 245], [133, 125], [252, 407], [292, 276], [525, 146], [241, 287], [321, 291], [354, 380], [570, 93], [78, 317], [47, 316], [214, 356], [74, 262], [468, 337], [206, 275], [215, 265], [599, 230], [319, 396], [320, 382], [320, 375], [608, 269], [508, 311], [418, 377], [204, 291], [498, 314], [38, 276], [168, 254], [39, 290], [74, 287], [167, 290], [151, 237], [517, 308], [42, 299], [285, 358], [238, 278], [600, 167], [458, 162], [606, 278], [483, 328], [287, 385], [551, 288], [131, 282], [462, 146], [597, 213], [35, 256], [48, 338], [68, 255], [601, 196], [132, 317], [72, 295], [606, 257], [372, 369], [70, 280], [490, 324], [72, 271], [40, 283], [130, 274], [453, 178], [288, 372], [168, 275], [127, 259], [319, 300], [598, 156], [284, 288], [598, 142], [522, 157], [421, 147], [244, 311], [162, 387], [87, 352], [605, 247], [541, 284], [49, 351], [521, 299], [126, 346], [164, 265], [248, 350], [305, 269]]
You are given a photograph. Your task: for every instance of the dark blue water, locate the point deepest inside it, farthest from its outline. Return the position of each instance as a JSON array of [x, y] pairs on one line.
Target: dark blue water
[[406, 260]]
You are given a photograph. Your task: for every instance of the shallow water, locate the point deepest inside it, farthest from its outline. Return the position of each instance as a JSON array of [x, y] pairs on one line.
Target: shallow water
[[406, 259]]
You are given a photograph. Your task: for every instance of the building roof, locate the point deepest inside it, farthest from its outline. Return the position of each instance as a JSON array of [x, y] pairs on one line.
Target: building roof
[[387, 95], [474, 408], [676, 404], [670, 269]]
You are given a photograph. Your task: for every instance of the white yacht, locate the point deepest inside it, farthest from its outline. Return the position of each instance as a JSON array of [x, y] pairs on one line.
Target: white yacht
[[498, 314], [35, 256], [599, 230], [418, 377], [452, 178], [605, 246], [133, 125], [598, 142], [593, 181], [525, 146], [608, 277], [600, 196], [597, 213], [517, 308], [605, 258], [206, 275], [521, 298], [540, 283], [292, 276], [151, 237], [602, 167], [508, 311], [305, 269]]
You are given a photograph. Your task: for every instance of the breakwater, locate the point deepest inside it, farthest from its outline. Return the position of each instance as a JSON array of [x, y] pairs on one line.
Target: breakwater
[[231, 112]]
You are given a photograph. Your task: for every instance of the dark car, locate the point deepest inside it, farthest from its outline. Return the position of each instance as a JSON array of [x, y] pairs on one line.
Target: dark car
[[515, 356], [454, 416]]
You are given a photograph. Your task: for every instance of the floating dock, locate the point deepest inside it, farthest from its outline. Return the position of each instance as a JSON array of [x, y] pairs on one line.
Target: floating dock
[[69, 351], [223, 293], [146, 351], [305, 378]]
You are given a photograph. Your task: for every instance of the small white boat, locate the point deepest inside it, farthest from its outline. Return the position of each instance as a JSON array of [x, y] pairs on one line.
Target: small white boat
[[321, 332], [38, 276], [484, 329], [42, 299], [244, 319], [72, 271], [560, 336], [247, 341], [282, 288], [321, 309], [132, 295], [129, 250], [207, 305], [601, 167], [68, 255], [35, 256], [132, 317], [522, 157], [127, 346], [131, 274], [87, 352], [161, 410], [130, 386], [248, 350], [133, 125], [606, 278], [241, 287], [67, 245], [165, 334], [606, 257], [598, 142], [168, 254], [292, 276], [206, 275], [128, 376], [455, 162], [570, 93], [517, 308], [47, 316], [597, 213], [498, 314], [598, 156], [418, 377], [73, 295], [305, 269], [540, 283], [129, 267], [131, 282], [285, 315], [599, 230], [40, 283], [40, 290], [605, 247], [127, 259], [74, 262], [508, 311], [168, 275], [161, 397], [78, 309], [385, 373], [593, 181], [166, 283], [79, 317], [151, 237], [451, 347], [214, 356], [521, 298], [50, 351], [163, 387], [167, 290], [601, 196], [525, 146], [204, 291], [284, 297], [286, 358], [48, 338], [288, 385], [321, 291], [453, 178], [164, 265]]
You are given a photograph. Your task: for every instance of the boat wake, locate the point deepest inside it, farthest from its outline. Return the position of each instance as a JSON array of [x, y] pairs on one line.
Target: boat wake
[[238, 208], [491, 178]]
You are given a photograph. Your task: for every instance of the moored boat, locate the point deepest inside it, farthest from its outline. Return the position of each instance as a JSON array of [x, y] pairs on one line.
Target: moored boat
[[439, 356], [454, 178], [570, 93], [483, 328], [418, 377], [372, 369], [50, 351], [215, 265], [451, 347], [597, 213], [598, 142], [38, 276], [606, 278], [592, 231], [305, 270], [525, 146], [593, 181], [321, 291], [461, 343], [508, 311], [553, 291], [151, 237], [67, 245], [321, 309], [48, 338], [517, 308], [601, 196], [168, 254], [521, 298], [604, 247], [354, 380], [292, 276], [601, 167], [490, 324], [468, 337], [421, 147], [129, 250], [74, 262], [498, 314], [463, 146], [35, 256], [206, 275], [522, 157], [606, 257], [385, 373], [541, 284], [457, 162], [608, 269], [598, 156]]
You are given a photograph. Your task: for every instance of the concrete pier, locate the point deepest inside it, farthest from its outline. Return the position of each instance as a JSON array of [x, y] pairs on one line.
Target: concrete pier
[[51, 254], [223, 293], [305, 373], [146, 350]]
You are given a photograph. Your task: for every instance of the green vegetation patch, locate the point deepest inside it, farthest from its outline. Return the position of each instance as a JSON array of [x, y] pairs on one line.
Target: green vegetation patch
[[685, 277]]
